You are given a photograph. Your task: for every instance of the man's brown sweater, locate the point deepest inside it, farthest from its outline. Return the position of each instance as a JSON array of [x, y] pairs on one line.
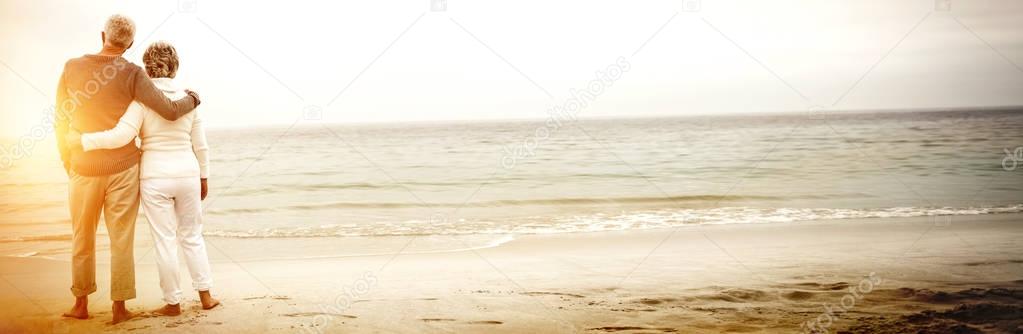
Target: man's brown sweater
[[93, 93]]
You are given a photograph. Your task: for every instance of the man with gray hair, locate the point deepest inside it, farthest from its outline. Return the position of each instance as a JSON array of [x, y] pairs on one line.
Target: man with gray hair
[[93, 93]]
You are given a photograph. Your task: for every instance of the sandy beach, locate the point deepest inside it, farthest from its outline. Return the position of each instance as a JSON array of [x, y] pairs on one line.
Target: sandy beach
[[880, 275], [599, 167]]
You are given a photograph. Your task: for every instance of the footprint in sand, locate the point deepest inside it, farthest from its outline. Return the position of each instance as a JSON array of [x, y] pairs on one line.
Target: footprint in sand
[[655, 301], [313, 314], [634, 328], [271, 297], [798, 295], [485, 322], [544, 293], [820, 286]]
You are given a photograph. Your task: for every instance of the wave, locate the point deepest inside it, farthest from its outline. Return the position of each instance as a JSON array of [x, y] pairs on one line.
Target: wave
[[39, 222], [488, 244], [639, 220], [24, 255], [711, 199], [9, 208], [45, 237], [276, 188], [635, 220]]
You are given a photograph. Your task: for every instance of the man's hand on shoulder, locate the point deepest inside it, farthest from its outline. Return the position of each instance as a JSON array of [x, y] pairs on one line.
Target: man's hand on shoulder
[[194, 95]]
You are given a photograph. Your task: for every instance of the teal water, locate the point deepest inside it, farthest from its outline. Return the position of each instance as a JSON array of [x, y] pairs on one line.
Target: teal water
[[316, 180]]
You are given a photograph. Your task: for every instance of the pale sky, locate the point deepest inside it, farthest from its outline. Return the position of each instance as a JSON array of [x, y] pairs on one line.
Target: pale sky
[[262, 63]]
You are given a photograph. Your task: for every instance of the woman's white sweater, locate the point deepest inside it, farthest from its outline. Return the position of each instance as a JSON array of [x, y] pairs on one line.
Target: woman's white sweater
[[170, 149]]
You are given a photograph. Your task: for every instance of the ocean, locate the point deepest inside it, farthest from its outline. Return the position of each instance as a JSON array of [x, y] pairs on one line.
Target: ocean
[[509, 178]]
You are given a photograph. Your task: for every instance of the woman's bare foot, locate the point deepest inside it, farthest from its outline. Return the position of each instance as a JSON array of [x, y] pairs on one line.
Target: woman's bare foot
[[121, 313], [80, 310], [208, 302], [169, 310]]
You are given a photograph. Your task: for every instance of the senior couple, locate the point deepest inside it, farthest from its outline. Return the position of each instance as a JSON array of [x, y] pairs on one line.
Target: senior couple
[[104, 103]]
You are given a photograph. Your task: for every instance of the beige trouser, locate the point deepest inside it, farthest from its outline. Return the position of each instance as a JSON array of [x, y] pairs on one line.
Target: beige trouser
[[117, 195]]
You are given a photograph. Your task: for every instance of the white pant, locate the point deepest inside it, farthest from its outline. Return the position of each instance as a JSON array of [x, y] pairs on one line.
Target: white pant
[[173, 207]]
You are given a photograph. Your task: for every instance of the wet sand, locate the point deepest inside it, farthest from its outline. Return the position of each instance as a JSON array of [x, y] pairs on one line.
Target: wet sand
[[963, 275]]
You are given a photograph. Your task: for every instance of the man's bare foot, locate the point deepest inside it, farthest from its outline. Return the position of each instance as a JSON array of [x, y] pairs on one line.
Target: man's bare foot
[[169, 310], [208, 302], [80, 310], [121, 313]]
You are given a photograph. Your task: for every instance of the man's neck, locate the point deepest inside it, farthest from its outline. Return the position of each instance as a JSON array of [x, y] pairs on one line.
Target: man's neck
[[110, 51]]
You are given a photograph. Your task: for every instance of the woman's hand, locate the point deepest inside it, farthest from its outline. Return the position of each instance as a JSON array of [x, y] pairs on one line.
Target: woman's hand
[[205, 189], [73, 139]]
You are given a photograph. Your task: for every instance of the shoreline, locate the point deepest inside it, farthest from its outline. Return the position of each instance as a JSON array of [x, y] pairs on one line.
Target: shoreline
[[482, 240], [707, 278]]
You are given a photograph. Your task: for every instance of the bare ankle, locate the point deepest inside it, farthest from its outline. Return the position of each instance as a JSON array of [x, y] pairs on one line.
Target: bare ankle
[[80, 310], [169, 310]]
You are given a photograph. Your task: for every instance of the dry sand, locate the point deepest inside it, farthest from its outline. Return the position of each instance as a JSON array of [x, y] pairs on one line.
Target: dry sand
[[867, 276]]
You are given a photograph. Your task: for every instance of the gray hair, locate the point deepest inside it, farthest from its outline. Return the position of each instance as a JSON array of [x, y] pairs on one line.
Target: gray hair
[[119, 31], [161, 60]]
